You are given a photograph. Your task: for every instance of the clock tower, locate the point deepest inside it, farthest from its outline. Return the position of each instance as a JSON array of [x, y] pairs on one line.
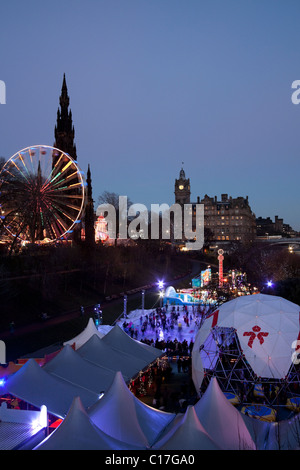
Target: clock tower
[[182, 189]]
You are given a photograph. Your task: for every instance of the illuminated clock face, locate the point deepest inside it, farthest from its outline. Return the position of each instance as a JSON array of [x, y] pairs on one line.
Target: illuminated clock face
[[181, 186]]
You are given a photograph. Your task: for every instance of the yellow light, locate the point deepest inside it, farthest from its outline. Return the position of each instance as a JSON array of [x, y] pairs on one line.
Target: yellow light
[[66, 166]]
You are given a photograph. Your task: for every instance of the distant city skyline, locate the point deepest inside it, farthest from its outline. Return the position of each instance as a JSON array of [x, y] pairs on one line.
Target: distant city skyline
[[156, 83]]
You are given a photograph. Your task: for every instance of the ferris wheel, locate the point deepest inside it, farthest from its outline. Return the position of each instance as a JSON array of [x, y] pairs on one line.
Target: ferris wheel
[[42, 195]]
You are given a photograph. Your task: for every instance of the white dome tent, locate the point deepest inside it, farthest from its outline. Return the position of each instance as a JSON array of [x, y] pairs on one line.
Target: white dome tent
[[248, 339]]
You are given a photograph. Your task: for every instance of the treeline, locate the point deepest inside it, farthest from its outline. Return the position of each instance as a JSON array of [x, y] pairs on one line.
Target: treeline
[[56, 280], [269, 263]]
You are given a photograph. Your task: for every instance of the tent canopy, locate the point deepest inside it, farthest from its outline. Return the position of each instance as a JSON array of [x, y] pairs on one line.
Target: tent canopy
[[284, 435], [77, 432], [102, 354], [222, 421], [188, 434], [120, 341], [69, 365], [86, 334], [36, 386], [120, 414], [112, 350]]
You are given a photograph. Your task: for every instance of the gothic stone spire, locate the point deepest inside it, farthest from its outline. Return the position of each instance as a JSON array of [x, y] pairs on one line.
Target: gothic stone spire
[[89, 212], [64, 130]]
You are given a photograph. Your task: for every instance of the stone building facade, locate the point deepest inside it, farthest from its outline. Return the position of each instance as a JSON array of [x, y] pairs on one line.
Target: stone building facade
[[266, 227], [227, 219]]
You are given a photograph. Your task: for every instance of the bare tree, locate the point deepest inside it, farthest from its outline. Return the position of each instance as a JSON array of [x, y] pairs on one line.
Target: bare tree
[[112, 198]]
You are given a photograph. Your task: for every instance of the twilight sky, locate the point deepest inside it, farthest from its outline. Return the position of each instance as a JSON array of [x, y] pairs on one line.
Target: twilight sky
[[153, 83]]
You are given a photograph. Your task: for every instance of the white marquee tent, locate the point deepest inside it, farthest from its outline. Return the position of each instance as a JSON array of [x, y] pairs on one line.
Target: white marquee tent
[[222, 421], [266, 327], [123, 416], [117, 339], [284, 435], [187, 434], [70, 366], [87, 333], [36, 386], [102, 354], [77, 432], [258, 429]]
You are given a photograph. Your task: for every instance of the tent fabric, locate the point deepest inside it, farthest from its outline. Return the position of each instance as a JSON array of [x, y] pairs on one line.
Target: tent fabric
[[85, 335], [104, 329], [258, 429], [98, 352], [77, 432], [204, 358], [123, 416], [188, 434], [222, 421], [266, 326], [70, 366], [36, 386], [284, 435], [117, 339]]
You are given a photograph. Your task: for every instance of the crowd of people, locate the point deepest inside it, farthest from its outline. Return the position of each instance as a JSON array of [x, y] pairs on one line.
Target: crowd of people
[[172, 329], [153, 385], [165, 324]]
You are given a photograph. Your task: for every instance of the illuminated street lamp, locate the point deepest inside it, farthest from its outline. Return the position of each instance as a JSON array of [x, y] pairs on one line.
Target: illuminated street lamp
[[125, 306], [143, 301], [161, 295], [97, 315], [161, 291]]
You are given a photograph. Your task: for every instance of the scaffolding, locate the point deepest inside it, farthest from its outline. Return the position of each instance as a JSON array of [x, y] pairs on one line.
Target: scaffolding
[[223, 358]]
